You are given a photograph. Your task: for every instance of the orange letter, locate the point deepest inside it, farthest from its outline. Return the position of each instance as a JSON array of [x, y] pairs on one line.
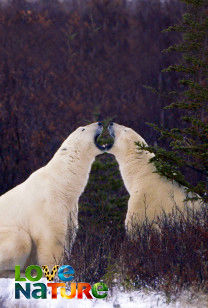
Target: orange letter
[[86, 291], [73, 291], [54, 287]]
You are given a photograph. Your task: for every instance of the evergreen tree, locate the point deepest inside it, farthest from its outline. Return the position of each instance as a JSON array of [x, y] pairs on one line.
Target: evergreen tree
[[188, 142]]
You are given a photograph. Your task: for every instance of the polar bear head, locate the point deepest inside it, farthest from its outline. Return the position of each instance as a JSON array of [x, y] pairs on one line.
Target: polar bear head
[[125, 140], [84, 140]]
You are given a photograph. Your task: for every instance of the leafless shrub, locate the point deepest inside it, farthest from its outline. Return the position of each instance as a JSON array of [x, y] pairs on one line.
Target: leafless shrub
[[169, 258]]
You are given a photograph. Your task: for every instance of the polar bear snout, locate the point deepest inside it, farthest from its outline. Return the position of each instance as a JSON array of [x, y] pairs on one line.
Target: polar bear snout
[[112, 134], [111, 129], [99, 129], [98, 132]]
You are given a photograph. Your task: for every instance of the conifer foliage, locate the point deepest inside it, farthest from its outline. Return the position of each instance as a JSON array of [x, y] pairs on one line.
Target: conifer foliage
[[188, 140]]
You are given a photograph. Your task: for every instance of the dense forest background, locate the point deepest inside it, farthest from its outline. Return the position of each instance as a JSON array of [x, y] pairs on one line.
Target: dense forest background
[[62, 63], [67, 63]]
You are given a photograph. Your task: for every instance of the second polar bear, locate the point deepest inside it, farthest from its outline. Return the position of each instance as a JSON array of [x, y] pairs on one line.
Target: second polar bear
[[150, 193], [39, 217]]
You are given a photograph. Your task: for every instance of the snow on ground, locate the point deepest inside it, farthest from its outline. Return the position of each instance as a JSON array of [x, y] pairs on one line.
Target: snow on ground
[[116, 300]]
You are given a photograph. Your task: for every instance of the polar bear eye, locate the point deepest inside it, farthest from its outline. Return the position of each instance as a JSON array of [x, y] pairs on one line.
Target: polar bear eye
[[83, 129]]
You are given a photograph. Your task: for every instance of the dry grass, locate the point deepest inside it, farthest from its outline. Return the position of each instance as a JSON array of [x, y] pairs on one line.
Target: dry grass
[[168, 259]]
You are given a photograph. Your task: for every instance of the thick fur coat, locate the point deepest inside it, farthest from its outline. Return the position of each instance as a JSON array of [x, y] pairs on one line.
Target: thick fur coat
[[150, 193], [39, 217]]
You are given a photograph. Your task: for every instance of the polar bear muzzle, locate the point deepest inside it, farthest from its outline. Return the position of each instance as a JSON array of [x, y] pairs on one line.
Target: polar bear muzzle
[[112, 134], [108, 146], [98, 132], [111, 130]]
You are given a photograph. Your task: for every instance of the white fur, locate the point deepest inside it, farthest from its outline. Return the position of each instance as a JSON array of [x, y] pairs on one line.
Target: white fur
[[150, 193], [39, 217]]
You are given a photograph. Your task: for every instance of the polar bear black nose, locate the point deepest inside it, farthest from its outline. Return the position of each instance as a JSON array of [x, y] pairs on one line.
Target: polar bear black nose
[[100, 124], [111, 124]]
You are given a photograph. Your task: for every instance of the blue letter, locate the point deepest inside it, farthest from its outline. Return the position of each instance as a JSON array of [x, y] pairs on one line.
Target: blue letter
[[61, 273], [42, 290], [19, 288]]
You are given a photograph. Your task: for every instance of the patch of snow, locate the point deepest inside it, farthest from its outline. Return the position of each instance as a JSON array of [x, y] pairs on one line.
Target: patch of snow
[[117, 299]]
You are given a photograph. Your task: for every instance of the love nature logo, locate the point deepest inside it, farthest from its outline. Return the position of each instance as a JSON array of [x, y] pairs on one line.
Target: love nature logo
[[65, 273]]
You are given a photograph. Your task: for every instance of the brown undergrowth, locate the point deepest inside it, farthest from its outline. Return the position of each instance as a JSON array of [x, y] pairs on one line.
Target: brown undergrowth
[[170, 258]]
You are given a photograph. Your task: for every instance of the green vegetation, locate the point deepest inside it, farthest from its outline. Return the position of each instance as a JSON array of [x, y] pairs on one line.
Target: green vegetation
[[188, 140]]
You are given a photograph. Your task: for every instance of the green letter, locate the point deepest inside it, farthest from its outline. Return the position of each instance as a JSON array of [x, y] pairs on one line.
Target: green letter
[[42, 289], [97, 287], [17, 274], [29, 270], [19, 288]]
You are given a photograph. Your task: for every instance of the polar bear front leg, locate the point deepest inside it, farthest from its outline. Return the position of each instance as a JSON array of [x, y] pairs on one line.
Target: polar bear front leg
[[139, 212], [132, 222], [50, 254], [72, 228], [15, 248]]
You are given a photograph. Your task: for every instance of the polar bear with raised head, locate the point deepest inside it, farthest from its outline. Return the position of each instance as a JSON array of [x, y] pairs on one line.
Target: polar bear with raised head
[[39, 217], [150, 193]]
